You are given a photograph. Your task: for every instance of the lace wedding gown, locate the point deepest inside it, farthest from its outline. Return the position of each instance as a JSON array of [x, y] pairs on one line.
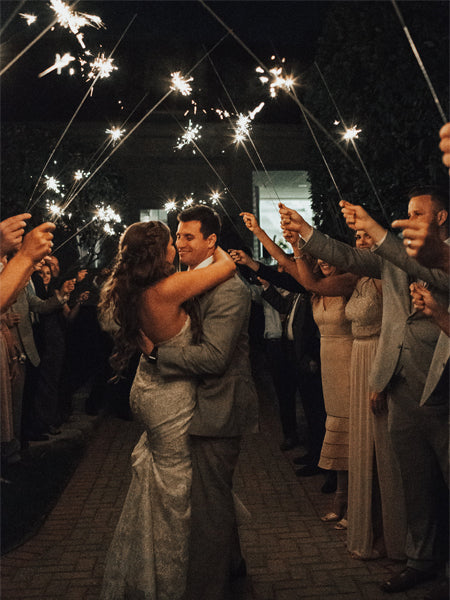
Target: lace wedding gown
[[147, 559]]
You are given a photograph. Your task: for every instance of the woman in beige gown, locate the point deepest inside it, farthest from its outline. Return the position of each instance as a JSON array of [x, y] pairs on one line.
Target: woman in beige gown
[[331, 290], [376, 511]]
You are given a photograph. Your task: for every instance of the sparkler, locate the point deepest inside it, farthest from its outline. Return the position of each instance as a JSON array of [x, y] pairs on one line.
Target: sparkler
[[170, 206], [116, 133], [278, 81], [60, 63], [55, 210], [147, 114], [107, 214], [30, 19], [181, 84], [191, 133], [70, 19], [78, 175], [101, 67], [188, 202], [215, 198], [52, 184], [351, 134], [290, 91]]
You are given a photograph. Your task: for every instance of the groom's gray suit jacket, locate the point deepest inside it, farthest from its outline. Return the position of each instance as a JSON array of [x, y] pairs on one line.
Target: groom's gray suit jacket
[[226, 395], [408, 338]]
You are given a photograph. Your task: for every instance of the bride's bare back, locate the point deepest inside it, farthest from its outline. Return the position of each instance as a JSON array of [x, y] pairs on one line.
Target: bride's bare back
[[161, 315]]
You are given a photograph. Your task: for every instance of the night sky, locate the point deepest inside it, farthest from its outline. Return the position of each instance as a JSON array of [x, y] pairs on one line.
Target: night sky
[[164, 37]]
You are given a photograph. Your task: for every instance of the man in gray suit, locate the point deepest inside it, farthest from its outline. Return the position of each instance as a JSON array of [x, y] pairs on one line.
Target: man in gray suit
[[419, 431], [226, 408]]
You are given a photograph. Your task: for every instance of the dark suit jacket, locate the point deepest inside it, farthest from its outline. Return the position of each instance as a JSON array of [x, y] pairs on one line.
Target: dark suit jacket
[[226, 395], [306, 338]]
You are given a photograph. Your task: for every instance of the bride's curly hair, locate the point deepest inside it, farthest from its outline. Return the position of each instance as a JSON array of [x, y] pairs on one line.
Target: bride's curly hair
[[140, 263]]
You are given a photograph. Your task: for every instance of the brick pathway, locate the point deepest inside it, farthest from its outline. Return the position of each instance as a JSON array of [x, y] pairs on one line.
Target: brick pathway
[[290, 553]]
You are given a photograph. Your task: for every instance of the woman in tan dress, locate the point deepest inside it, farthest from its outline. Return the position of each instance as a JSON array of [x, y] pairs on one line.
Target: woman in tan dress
[[331, 291], [376, 512]]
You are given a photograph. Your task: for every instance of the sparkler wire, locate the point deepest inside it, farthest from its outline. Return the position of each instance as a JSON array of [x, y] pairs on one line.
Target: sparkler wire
[[419, 61], [213, 169], [354, 145], [11, 17], [73, 235], [77, 110], [147, 114], [248, 134], [326, 165], [290, 93], [31, 44]]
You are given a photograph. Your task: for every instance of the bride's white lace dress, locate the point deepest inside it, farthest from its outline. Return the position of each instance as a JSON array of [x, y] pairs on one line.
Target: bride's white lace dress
[[147, 559]]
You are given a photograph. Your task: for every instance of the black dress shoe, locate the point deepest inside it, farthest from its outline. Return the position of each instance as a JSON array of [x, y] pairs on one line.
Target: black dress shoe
[[240, 570], [440, 591], [308, 471], [53, 430], [405, 580], [288, 444], [330, 484], [37, 437], [306, 459]]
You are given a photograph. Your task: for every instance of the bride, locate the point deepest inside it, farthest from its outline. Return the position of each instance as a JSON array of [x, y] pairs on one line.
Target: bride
[[148, 555]]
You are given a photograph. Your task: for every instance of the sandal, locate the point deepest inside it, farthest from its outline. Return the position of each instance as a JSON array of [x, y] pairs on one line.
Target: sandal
[[341, 525], [331, 516]]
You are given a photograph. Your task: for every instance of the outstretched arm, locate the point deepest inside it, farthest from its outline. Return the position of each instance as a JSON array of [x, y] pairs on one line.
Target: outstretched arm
[[14, 277], [335, 285], [423, 243], [273, 249]]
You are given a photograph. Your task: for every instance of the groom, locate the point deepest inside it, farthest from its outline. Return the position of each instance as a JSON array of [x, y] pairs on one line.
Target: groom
[[226, 408]]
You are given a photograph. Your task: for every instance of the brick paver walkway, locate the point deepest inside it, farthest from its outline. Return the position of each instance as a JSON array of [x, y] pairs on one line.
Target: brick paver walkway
[[290, 553]]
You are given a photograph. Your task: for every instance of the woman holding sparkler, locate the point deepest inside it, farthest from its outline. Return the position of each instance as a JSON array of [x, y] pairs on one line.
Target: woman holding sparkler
[[149, 552], [376, 513]]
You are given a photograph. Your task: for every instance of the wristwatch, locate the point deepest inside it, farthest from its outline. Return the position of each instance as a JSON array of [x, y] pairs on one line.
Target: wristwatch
[[153, 356]]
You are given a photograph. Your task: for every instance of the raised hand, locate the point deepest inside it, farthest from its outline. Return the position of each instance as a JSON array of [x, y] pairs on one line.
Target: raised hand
[[422, 242], [250, 221], [38, 243], [11, 233], [68, 287], [290, 219], [291, 237], [355, 216], [445, 145], [239, 256]]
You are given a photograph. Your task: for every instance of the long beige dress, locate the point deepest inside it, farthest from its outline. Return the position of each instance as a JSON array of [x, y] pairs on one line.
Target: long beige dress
[[335, 351], [369, 438]]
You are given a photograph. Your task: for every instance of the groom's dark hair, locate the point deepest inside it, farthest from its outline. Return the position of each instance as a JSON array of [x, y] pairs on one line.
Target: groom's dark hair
[[209, 219]]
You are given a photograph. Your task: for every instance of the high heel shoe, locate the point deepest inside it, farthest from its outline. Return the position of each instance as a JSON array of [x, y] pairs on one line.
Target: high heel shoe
[[329, 517], [341, 525]]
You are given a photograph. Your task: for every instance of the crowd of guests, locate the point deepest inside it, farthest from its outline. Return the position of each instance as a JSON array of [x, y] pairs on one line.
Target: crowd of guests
[[51, 340], [381, 316]]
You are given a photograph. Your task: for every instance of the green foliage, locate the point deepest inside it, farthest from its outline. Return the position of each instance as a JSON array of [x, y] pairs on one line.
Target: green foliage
[[377, 85], [26, 149]]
